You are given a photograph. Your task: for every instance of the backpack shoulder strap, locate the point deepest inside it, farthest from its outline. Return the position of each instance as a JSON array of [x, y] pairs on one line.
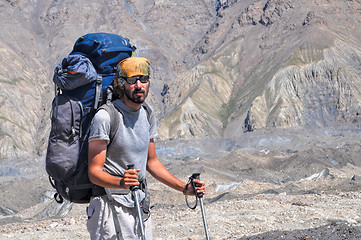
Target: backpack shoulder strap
[[148, 109], [114, 125], [114, 119]]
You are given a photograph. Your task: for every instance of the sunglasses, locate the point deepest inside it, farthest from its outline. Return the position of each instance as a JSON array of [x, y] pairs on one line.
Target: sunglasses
[[132, 80]]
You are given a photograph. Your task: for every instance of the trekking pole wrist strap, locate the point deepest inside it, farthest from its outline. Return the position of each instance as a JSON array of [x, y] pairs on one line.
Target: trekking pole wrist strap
[[190, 182]]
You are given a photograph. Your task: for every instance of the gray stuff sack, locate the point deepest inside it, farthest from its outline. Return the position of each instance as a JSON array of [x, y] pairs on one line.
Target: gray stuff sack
[[64, 143]]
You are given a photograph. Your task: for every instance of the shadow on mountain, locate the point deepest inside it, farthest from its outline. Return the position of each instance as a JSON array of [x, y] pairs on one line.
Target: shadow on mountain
[[334, 230]]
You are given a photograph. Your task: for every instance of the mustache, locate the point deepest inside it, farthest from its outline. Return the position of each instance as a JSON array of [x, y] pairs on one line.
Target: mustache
[[138, 91]]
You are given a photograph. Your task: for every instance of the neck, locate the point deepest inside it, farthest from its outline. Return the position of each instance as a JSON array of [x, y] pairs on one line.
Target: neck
[[130, 103]]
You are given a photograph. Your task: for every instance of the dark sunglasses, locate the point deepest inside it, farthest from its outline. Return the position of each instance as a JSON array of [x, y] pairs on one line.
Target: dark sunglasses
[[132, 80]]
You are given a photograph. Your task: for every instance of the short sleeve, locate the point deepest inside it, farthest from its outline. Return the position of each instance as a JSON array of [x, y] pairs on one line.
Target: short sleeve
[[100, 126]]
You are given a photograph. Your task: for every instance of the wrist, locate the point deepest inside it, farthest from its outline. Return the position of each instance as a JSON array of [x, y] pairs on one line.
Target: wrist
[[122, 184], [184, 190]]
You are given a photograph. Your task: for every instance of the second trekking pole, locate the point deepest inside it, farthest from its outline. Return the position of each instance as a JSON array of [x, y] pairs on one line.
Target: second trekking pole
[[135, 191], [200, 197]]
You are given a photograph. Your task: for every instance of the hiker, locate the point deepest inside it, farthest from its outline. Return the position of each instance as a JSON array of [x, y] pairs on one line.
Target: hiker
[[133, 143]]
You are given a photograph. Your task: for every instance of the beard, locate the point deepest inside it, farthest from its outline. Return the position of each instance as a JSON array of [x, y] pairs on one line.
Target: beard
[[132, 95]]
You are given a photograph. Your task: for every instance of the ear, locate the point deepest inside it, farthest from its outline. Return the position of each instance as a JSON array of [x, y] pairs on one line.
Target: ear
[[119, 91]]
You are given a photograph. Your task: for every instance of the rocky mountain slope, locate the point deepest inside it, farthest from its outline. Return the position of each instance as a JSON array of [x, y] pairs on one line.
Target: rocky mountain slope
[[220, 68], [271, 64]]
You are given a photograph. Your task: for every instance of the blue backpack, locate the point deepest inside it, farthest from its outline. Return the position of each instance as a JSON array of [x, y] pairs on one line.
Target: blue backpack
[[83, 82]]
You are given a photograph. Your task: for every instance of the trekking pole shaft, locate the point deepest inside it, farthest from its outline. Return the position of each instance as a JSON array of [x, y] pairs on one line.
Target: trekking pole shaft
[[204, 218], [200, 197], [139, 210], [135, 190]]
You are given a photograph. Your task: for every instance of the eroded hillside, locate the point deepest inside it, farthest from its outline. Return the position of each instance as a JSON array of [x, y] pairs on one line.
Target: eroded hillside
[[271, 64], [220, 68]]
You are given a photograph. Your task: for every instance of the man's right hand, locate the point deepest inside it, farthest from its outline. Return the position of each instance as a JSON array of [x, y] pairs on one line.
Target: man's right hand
[[130, 178]]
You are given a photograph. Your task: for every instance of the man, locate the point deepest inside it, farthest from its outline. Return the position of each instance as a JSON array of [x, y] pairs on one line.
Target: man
[[132, 144]]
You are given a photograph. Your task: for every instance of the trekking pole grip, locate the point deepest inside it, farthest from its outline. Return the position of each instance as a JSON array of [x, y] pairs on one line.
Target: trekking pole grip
[[196, 176], [132, 188], [130, 166]]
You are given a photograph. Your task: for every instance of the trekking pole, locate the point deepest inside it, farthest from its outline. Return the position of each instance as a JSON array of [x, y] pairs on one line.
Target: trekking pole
[[135, 193], [200, 197]]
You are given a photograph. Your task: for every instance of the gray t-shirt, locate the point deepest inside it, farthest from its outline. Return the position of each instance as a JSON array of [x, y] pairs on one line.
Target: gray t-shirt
[[130, 144]]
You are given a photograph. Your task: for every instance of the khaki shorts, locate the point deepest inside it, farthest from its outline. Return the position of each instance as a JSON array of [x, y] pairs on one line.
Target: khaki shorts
[[101, 223]]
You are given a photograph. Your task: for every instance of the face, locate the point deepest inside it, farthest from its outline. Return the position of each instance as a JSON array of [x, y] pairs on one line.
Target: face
[[136, 92]]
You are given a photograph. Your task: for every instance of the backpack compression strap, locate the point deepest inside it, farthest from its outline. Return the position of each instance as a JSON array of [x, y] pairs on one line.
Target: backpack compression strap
[[98, 91]]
